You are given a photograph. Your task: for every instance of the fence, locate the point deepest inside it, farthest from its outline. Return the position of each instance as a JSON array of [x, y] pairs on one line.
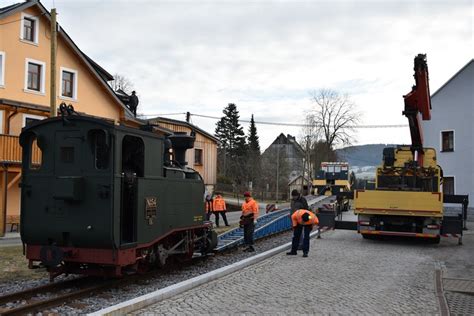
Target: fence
[[10, 150]]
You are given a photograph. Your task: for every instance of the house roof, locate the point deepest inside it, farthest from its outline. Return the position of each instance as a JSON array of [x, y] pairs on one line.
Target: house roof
[[283, 139], [294, 178], [95, 68], [454, 76], [186, 124]]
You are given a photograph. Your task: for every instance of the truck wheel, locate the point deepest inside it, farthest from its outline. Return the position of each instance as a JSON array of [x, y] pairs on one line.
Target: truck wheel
[[435, 240], [368, 236]]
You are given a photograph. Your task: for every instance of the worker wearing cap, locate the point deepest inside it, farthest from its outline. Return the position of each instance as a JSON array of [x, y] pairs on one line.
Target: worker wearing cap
[[302, 221], [219, 207], [248, 218], [298, 201]]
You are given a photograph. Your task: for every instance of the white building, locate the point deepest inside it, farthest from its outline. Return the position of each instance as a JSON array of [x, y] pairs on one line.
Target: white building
[[451, 131]]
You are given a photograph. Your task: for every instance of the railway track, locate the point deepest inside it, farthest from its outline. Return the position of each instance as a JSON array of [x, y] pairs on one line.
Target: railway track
[[45, 297], [40, 298]]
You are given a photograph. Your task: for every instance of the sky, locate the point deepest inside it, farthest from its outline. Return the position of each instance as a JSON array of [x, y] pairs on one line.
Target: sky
[[267, 57]]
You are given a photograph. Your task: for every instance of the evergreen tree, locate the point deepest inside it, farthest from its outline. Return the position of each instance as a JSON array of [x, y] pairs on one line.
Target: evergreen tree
[[253, 158], [230, 133], [254, 144], [232, 148]]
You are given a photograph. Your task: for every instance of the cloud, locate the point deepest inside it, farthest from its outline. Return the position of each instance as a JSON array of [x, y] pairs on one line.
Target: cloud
[[266, 56]]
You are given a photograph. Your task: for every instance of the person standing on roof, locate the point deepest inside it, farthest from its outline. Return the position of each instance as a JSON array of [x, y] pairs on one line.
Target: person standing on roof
[[133, 103], [302, 221], [220, 208], [248, 219], [209, 205]]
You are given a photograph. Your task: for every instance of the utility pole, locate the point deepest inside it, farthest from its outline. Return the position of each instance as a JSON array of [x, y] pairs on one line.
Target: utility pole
[[278, 169], [53, 111]]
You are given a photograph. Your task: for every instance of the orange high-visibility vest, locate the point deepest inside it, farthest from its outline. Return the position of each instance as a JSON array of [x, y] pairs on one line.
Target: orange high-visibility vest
[[250, 207], [219, 204], [297, 218]]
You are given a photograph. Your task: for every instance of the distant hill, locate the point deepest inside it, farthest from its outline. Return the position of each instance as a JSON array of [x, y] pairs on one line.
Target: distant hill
[[363, 155]]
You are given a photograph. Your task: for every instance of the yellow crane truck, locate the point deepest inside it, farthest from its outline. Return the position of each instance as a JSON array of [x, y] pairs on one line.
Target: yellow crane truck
[[408, 198]]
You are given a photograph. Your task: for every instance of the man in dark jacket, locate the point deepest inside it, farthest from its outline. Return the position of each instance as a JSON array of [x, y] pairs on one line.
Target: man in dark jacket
[[298, 202], [133, 103]]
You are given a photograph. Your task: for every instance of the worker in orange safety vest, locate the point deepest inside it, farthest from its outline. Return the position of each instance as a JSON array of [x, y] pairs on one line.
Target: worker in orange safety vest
[[220, 208], [209, 206], [302, 221], [247, 220]]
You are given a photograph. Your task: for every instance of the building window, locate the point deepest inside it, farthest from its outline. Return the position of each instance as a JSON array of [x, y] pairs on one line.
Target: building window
[[68, 83], [35, 76], [448, 185], [447, 141], [29, 119], [2, 69], [29, 28], [198, 156]]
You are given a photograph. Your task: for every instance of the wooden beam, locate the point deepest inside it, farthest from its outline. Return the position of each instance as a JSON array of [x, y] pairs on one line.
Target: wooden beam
[[13, 181], [10, 116], [3, 200]]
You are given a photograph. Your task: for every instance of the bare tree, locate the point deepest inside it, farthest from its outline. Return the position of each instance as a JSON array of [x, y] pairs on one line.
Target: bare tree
[[334, 117], [309, 136], [121, 82]]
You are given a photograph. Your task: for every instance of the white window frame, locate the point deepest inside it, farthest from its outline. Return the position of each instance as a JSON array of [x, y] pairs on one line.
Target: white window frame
[[22, 24], [2, 74], [2, 113], [454, 182], [441, 141], [74, 88], [43, 76], [25, 116]]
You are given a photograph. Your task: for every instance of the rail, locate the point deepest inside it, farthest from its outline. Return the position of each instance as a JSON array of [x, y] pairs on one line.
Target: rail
[[11, 151]]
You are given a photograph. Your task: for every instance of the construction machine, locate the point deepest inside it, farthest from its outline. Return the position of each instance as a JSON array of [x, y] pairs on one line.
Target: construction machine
[[408, 198], [331, 178]]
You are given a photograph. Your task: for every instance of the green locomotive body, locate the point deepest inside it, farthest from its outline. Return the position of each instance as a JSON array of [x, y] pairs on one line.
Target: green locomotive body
[[108, 199]]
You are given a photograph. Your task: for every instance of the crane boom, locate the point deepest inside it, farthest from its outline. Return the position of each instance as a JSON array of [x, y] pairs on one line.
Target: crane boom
[[418, 102]]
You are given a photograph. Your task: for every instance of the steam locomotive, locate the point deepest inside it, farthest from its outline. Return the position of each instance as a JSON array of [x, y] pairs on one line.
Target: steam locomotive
[[108, 200]]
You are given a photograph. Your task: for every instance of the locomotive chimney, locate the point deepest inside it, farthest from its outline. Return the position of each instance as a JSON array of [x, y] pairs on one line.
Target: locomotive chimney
[[180, 143]]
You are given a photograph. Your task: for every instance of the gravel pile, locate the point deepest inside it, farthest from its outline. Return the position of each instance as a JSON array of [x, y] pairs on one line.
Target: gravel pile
[[158, 280]]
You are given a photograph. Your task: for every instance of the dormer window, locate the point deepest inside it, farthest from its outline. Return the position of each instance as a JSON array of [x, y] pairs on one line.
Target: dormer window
[[29, 28]]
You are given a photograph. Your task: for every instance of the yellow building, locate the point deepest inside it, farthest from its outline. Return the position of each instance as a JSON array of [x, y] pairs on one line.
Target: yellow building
[[25, 43]]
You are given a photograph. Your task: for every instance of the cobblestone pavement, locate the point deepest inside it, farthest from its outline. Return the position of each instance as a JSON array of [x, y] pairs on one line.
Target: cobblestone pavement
[[344, 274]]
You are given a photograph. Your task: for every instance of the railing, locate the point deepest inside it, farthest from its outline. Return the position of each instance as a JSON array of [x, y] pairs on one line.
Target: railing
[[11, 152]]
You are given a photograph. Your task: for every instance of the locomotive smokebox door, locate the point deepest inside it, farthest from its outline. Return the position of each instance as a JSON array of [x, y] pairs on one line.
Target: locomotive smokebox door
[[150, 209]]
